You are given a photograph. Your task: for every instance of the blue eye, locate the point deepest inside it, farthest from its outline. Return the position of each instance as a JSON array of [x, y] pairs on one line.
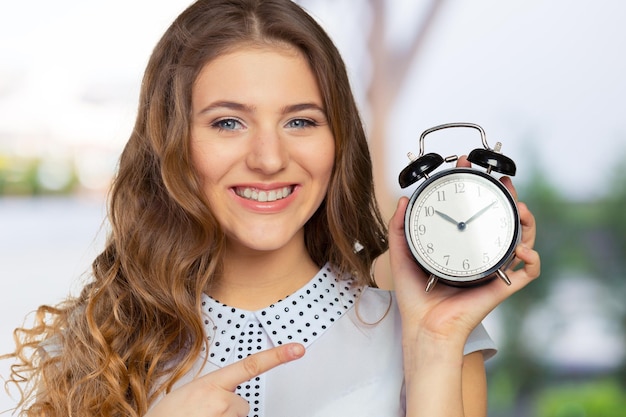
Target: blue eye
[[300, 123], [227, 124]]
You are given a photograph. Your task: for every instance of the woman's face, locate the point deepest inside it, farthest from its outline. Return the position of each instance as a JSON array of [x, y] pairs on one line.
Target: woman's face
[[261, 144]]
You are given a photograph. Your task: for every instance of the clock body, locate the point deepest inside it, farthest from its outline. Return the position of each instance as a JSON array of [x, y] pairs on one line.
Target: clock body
[[462, 226]]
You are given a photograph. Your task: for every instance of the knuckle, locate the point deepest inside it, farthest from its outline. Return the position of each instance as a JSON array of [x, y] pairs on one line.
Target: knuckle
[[220, 405], [252, 365]]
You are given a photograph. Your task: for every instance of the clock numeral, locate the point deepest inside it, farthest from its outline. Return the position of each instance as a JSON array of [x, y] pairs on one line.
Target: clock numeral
[[503, 223], [498, 242], [421, 229], [466, 264], [485, 257], [430, 248], [459, 187], [447, 258], [429, 211], [441, 195], [478, 188]]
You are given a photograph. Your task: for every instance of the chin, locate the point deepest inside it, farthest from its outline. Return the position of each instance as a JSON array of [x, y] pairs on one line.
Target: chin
[[263, 243]]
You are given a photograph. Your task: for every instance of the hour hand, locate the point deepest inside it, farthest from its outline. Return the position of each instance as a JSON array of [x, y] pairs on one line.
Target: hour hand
[[446, 217]]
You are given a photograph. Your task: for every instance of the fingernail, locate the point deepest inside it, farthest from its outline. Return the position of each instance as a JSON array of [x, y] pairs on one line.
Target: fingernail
[[296, 350]]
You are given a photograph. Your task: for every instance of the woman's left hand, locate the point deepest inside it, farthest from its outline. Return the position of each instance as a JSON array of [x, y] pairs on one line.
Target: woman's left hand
[[449, 314]]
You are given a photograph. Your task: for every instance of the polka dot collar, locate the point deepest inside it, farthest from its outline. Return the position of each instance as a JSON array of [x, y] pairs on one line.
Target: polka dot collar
[[300, 317]]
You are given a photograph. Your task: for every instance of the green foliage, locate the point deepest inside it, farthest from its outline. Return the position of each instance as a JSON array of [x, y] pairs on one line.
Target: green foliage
[[589, 399], [33, 176], [584, 236]]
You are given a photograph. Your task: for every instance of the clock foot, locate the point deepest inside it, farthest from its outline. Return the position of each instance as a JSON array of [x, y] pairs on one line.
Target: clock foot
[[503, 277], [431, 283]]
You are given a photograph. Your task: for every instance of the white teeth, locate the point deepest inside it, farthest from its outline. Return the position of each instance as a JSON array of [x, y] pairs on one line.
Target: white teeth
[[263, 195]]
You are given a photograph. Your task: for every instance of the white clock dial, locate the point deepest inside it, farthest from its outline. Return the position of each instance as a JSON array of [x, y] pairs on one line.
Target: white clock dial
[[462, 225]]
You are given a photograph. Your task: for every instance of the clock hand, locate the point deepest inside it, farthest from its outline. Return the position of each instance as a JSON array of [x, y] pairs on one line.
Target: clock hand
[[446, 217], [480, 212]]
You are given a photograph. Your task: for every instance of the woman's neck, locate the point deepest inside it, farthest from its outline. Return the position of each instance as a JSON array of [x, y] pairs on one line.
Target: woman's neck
[[252, 280]]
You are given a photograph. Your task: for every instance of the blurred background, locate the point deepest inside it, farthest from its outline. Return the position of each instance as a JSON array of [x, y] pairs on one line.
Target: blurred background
[[544, 78]]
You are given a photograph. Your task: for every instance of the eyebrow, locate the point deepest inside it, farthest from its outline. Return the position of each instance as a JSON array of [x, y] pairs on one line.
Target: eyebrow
[[302, 106], [226, 104], [232, 105]]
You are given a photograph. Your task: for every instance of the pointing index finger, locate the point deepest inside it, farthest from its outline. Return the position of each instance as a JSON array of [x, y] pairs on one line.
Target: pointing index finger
[[254, 365]]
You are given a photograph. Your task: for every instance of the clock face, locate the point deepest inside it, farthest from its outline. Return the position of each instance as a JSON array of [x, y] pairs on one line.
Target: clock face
[[462, 225]]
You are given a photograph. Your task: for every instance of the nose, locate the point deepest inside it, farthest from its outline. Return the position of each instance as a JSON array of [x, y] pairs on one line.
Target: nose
[[268, 153]]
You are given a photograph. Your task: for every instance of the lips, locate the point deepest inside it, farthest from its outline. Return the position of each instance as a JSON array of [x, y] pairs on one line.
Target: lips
[[255, 194]]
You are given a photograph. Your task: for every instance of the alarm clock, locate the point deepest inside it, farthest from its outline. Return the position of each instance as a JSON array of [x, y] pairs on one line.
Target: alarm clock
[[461, 224]]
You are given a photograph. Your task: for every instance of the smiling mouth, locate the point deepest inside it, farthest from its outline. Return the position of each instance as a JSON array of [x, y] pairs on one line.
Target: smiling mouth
[[263, 196]]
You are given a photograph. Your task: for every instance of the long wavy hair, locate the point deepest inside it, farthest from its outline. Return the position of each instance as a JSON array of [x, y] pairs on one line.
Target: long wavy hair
[[136, 327]]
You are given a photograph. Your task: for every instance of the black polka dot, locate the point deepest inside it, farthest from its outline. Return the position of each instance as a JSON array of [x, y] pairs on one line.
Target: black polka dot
[[320, 303]]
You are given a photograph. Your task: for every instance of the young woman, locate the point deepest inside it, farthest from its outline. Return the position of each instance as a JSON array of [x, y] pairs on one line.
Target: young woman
[[244, 228]]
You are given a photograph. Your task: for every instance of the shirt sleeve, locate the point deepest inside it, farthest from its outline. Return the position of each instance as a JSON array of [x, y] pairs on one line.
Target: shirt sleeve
[[479, 340]]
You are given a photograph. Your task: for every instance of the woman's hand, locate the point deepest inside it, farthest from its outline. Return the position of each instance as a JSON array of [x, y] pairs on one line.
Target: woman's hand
[[448, 314], [214, 395], [436, 325]]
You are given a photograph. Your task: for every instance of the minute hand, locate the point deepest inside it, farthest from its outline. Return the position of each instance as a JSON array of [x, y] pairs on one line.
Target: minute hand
[[475, 216]]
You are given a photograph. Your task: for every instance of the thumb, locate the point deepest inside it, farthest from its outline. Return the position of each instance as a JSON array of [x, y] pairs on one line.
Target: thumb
[[408, 278], [398, 248]]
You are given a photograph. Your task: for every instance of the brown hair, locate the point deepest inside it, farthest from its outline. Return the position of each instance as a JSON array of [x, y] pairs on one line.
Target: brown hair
[[136, 327]]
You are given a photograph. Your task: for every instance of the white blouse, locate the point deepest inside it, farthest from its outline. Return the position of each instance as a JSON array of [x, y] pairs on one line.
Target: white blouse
[[353, 360]]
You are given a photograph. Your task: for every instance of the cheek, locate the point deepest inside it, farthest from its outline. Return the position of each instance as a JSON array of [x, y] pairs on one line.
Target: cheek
[[331, 162], [328, 172], [326, 162], [207, 166]]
